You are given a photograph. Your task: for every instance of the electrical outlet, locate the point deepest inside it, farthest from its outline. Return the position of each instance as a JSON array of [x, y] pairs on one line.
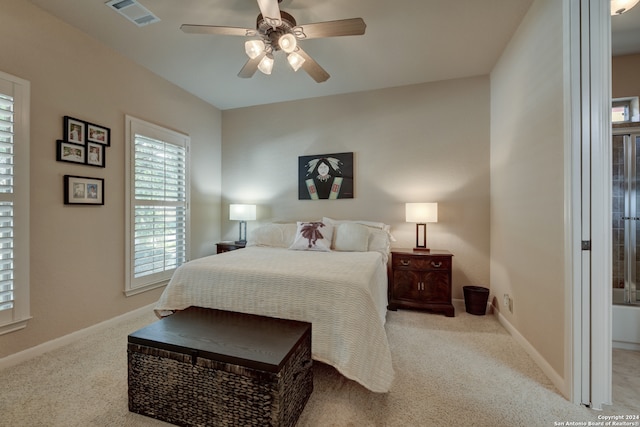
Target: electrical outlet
[[511, 305], [505, 300]]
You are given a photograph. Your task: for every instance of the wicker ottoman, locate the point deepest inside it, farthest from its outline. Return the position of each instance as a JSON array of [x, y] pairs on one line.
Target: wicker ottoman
[[204, 367]]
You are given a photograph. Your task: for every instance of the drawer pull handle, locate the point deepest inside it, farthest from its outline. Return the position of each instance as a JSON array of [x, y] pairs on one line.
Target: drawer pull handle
[[436, 264], [405, 262]]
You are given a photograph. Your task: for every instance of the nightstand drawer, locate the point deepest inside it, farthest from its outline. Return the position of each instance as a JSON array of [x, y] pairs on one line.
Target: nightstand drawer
[[421, 262]]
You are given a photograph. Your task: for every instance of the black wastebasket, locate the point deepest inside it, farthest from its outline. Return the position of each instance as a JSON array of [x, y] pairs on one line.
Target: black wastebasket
[[475, 299]]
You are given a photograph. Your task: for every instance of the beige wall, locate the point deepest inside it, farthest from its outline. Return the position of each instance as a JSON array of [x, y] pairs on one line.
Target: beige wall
[[527, 181], [422, 143], [77, 253], [624, 76]]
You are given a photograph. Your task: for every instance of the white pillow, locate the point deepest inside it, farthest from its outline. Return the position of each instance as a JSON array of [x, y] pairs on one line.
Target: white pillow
[[275, 235], [313, 236], [380, 241], [373, 224], [351, 237]]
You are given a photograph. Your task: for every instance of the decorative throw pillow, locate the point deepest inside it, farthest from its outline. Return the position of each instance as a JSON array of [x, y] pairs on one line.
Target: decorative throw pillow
[[351, 237], [313, 236]]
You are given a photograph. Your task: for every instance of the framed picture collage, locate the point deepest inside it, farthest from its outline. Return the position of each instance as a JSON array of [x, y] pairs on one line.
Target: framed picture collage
[[83, 143]]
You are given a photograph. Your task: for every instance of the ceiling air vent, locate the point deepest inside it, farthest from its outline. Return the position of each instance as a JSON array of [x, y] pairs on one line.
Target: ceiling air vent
[[133, 11]]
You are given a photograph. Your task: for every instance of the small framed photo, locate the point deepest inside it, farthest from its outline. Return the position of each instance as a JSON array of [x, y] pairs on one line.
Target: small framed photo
[[68, 152], [98, 134], [74, 130], [95, 154], [83, 190]]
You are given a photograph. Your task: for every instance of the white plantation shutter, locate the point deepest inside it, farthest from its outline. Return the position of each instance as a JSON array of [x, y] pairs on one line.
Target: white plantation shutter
[[6, 202], [14, 203], [160, 212], [6, 255], [159, 204]]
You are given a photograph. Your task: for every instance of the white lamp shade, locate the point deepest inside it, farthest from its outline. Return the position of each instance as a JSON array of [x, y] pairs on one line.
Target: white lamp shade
[[287, 42], [242, 212], [266, 65], [618, 7], [421, 213], [254, 48], [295, 60]]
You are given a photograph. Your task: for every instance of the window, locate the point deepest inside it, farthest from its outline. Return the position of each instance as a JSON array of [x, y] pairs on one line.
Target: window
[[14, 203], [624, 110], [157, 204], [620, 112]]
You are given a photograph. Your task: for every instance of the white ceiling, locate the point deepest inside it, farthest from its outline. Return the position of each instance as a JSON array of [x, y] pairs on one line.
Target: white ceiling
[[406, 42], [625, 32]]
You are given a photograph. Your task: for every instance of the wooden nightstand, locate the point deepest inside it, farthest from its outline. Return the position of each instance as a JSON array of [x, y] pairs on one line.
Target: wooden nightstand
[[228, 246], [421, 280]]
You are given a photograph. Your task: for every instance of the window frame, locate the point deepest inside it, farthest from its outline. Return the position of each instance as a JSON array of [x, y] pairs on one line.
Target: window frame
[[133, 127], [17, 317]]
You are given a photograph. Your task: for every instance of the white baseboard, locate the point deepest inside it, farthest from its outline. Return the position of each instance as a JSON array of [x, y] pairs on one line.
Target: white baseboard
[[48, 346], [625, 345], [551, 373]]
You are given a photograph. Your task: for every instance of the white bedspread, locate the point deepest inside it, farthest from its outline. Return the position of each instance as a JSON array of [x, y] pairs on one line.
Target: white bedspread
[[342, 294]]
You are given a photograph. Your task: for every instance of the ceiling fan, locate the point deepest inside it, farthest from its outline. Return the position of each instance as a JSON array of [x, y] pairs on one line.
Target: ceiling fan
[[278, 30]]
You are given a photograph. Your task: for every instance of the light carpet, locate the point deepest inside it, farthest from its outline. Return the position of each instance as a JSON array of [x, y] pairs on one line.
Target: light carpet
[[460, 371]]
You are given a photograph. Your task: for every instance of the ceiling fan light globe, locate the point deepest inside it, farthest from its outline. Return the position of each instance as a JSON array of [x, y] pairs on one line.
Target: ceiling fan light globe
[[266, 64], [618, 7], [295, 60], [287, 42], [254, 48]]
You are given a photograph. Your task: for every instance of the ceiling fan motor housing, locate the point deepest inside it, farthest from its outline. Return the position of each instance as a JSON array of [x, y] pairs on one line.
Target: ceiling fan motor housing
[[271, 35]]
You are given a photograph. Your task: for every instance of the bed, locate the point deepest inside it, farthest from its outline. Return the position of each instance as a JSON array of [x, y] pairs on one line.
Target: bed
[[341, 288]]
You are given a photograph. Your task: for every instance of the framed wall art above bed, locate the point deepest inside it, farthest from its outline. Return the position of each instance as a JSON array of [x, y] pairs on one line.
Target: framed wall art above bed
[[325, 176]]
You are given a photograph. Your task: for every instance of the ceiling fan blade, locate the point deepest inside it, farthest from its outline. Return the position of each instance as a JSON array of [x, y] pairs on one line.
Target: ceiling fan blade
[[250, 67], [312, 68], [270, 11], [343, 27], [212, 29]]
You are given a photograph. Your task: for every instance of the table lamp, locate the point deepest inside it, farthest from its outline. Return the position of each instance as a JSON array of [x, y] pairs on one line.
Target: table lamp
[[242, 213], [421, 214]]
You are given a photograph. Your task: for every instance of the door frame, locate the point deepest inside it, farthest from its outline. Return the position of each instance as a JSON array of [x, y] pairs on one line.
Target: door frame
[[588, 360]]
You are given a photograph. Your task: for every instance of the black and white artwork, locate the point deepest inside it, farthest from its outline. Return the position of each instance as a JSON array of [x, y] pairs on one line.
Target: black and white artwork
[[325, 176]]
